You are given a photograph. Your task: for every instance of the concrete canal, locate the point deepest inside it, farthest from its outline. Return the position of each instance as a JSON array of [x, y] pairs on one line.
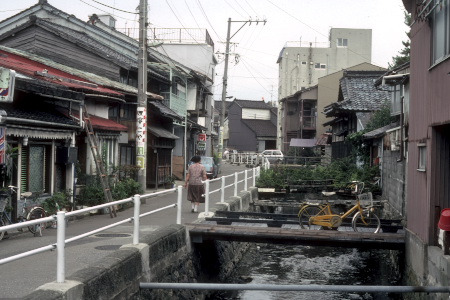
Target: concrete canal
[[298, 265]]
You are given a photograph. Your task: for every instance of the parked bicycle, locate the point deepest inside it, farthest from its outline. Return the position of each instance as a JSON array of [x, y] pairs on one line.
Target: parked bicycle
[[25, 213], [321, 216]]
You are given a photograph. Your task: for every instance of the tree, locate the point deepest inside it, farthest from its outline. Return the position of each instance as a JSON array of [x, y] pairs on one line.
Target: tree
[[403, 56]]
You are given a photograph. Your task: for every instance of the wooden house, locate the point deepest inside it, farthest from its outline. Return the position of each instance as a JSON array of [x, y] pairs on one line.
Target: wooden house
[[358, 98]]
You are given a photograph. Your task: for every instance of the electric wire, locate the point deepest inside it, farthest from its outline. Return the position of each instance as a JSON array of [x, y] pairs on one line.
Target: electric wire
[[207, 19], [232, 7], [294, 17], [115, 15], [128, 12]]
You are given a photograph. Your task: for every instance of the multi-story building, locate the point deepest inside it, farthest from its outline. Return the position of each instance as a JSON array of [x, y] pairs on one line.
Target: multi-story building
[[300, 67], [300, 116]]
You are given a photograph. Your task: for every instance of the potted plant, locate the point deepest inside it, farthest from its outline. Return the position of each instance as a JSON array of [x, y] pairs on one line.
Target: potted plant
[[169, 182]]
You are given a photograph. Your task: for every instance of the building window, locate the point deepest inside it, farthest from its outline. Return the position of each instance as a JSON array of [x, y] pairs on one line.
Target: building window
[[35, 168], [422, 157], [320, 66], [108, 148], [342, 42], [440, 30], [396, 100], [303, 62]]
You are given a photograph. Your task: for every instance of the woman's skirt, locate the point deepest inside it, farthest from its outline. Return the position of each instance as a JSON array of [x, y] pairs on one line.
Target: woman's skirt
[[195, 193]]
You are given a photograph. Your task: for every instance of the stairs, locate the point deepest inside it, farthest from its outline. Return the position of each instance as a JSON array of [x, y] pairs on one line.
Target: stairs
[[93, 144]]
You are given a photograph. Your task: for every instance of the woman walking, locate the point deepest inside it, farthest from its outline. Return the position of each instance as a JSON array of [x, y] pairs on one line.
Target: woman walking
[[196, 173]]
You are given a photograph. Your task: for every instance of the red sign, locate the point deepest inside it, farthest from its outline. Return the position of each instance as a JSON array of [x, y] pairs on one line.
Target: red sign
[[202, 137]]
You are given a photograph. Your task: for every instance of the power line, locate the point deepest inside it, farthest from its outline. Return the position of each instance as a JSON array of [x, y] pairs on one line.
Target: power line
[[105, 11], [128, 12], [206, 17], [294, 17]]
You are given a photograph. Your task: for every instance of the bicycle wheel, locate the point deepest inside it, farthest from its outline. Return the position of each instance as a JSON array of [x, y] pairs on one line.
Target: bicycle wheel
[[37, 213], [367, 222], [305, 213]]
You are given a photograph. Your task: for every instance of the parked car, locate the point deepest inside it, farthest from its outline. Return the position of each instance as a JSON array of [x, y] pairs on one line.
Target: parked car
[[211, 166], [272, 155]]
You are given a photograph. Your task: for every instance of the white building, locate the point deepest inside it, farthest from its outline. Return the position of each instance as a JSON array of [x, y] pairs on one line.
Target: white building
[[300, 67]]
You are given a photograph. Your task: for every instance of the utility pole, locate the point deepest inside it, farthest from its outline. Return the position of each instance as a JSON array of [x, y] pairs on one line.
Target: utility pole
[[141, 121], [225, 80], [224, 93]]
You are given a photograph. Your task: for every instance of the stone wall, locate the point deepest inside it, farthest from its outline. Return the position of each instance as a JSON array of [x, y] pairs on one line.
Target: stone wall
[[394, 184], [165, 255]]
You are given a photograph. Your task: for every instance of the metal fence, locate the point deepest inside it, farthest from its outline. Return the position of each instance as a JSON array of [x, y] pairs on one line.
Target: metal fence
[[62, 216]]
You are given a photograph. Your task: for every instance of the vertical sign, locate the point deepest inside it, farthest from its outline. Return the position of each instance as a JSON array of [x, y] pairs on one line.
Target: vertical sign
[[220, 150], [140, 136], [7, 80], [2, 144]]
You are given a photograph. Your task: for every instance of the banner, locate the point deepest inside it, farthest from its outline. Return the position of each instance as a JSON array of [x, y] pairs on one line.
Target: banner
[[141, 133]]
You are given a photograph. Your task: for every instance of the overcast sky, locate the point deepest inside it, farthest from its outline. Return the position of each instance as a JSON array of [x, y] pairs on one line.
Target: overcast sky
[[255, 76]]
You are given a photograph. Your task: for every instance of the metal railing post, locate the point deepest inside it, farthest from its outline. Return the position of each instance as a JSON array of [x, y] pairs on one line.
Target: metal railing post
[[60, 246], [254, 176], [245, 181], [222, 191], [206, 196], [235, 183], [179, 199], [137, 209]]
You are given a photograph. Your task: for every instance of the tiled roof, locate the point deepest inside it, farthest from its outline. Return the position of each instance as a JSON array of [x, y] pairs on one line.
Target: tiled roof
[[262, 128], [252, 104], [106, 124], [44, 72], [379, 132], [82, 74], [99, 123], [43, 113], [164, 110], [359, 93]]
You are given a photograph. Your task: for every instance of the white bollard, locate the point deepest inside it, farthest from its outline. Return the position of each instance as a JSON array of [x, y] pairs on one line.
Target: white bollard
[[206, 197], [137, 209], [60, 247], [235, 183], [222, 191], [179, 204], [245, 181]]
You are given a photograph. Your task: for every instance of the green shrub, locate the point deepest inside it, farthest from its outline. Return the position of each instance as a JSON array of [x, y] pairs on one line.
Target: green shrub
[[58, 200], [92, 193], [126, 188], [341, 171]]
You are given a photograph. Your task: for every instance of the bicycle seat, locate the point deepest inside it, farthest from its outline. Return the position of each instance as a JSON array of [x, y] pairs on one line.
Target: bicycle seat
[[26, 194], [328, 194]]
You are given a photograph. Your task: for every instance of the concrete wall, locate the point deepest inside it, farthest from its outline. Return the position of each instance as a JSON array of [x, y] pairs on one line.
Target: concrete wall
[[425, 266], [166, 255]]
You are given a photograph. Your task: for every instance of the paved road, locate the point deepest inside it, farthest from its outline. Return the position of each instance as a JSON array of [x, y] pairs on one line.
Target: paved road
[[20, 277]]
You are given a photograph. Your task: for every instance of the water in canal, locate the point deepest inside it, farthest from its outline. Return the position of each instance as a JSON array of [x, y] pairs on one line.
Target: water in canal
[[307, 265]]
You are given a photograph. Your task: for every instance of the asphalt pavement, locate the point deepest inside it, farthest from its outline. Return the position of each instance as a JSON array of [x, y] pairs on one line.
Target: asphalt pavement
[[20, 277]]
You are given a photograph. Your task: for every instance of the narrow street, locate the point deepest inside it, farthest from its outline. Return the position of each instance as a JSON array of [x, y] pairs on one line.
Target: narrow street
[[22, 276]]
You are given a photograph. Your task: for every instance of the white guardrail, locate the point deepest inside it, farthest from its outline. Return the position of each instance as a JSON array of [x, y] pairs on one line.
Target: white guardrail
[[62, 216]]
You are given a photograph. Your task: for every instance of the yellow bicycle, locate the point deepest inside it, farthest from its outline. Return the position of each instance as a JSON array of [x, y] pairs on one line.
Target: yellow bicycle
[[320, 216]]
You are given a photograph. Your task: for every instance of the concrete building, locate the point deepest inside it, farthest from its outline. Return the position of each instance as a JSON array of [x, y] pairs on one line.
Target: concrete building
[[301, 66], [320, 96]]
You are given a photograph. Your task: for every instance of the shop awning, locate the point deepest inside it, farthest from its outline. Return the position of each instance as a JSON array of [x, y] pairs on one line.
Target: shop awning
[[161, 132]]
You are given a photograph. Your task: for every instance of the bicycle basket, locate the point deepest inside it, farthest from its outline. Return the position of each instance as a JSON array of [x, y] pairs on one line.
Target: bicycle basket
[[366, 199], [3, 205]]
